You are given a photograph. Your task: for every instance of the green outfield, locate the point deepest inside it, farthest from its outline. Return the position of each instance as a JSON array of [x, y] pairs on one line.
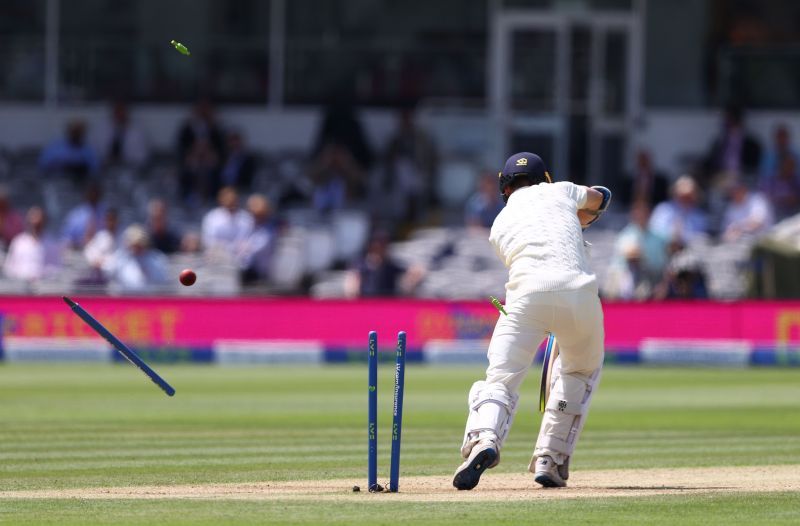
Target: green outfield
[[100, 444]]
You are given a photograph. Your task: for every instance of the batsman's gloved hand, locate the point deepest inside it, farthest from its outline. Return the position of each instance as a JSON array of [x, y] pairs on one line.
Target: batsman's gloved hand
[[606, 197]]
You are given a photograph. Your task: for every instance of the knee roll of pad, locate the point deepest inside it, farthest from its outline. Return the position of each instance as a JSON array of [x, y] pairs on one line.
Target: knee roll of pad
[[491, 409]]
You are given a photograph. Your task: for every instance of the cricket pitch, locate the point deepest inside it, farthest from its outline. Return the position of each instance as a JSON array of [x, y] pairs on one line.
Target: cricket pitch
[[493, 487]]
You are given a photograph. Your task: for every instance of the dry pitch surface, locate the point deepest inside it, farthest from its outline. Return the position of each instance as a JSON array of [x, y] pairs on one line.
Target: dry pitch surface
[[493, 487]]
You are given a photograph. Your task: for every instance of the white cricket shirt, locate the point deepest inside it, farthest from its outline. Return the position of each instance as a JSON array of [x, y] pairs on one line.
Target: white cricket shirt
[[539, 238]]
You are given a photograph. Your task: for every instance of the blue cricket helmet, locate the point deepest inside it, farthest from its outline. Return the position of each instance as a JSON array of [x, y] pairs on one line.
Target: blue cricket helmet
[[523, 164]]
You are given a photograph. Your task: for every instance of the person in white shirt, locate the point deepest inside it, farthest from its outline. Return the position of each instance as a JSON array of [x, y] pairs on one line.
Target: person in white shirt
[[32, 255], [135, 267], [256, 251], [227, 227], [680, 220], [550, 289], [104, 243], [747, 214]]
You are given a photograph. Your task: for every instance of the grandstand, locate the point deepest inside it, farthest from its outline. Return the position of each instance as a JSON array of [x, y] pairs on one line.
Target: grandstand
[[406, 143]]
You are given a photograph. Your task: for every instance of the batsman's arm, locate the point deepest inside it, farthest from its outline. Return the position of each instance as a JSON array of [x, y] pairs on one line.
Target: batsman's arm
[[597, 200]]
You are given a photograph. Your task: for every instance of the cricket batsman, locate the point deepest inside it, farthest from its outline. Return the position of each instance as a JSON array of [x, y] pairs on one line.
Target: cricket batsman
[[550, 289]]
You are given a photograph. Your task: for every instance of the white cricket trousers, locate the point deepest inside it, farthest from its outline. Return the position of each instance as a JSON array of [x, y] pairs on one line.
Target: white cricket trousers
[[575, 317]]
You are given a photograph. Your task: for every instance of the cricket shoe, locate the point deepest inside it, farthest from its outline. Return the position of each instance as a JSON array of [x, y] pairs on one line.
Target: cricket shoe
[[547, 473], [484, 455]]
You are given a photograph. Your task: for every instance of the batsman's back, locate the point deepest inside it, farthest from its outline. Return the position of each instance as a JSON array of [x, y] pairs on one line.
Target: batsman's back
[[539, 238]]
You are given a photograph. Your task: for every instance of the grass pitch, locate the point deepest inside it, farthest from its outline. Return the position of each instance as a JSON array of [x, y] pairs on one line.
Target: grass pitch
[[69, 428]]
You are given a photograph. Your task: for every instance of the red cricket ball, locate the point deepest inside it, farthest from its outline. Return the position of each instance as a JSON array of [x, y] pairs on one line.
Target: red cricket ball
[[188, 277]]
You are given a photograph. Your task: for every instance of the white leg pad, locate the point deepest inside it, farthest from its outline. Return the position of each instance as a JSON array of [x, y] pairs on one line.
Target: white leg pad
[[565, 414], [491, 412]]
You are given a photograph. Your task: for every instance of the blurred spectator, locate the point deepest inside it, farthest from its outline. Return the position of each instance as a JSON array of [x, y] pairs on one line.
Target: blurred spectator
[[341, 159], [652, 247], [226, 227], [378, 275], [83, 221], [783, 190], [639, 259], [684, 279], [99, 250], [646, 183], [135, 267], [687, 284], [200, 149], [680, 219], [342, 129], [70, 155], [122, 143], [256, 254], [239, 167], [774, 158], [104, 243], [483, 206], [748, 213], [162, 237], [33, 255], [734, 150], [202, 124], [11, 223], [627, 278], [200, 171], [411, 168], [337, 178]]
